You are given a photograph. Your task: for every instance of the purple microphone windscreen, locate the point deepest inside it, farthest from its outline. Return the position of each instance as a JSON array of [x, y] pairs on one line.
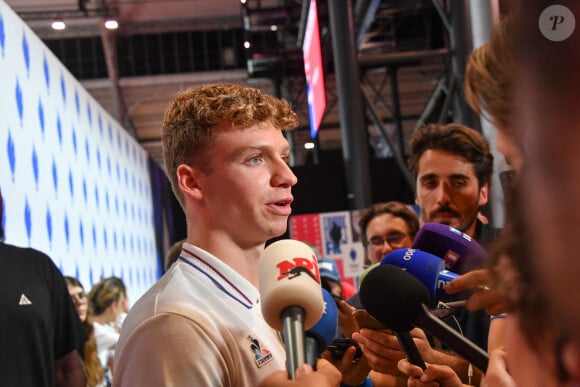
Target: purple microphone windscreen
[[381, 291], [460, 252]]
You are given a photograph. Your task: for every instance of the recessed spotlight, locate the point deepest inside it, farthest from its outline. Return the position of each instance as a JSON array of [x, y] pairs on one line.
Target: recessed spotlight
[[111, 24], [247, 44], [308, 145], [274, 27], [58, 25]]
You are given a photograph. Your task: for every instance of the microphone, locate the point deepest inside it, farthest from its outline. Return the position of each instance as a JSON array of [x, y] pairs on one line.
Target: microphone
[[427, 268], [290, 294], [403, 337], [320, 335], [362, 275], [407, 308], [460, 252]]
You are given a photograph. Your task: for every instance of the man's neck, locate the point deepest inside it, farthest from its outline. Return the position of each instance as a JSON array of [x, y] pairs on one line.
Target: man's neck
[[243, 259], [472, 230]]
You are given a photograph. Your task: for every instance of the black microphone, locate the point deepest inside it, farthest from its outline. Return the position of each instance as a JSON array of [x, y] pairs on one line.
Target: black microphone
[[406, 307], [403, 336]]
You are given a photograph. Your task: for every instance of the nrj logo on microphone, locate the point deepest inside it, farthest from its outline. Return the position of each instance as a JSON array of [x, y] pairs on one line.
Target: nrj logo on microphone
[[296, 267]]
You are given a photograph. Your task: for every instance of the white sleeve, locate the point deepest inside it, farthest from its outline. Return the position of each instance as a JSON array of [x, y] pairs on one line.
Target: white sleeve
[[106, 337]]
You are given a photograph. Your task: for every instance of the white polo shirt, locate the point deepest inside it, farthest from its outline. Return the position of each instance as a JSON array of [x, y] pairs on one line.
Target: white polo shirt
[[200, 325]]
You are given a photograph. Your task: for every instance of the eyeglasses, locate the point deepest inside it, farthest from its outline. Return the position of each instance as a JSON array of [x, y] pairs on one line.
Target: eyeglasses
[[394, 240]]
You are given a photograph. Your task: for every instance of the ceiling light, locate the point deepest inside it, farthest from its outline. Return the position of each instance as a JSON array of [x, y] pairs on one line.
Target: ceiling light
[[274, 27], [247, 44], [111, 24], [243, 1], [308, 145], [58, 25]]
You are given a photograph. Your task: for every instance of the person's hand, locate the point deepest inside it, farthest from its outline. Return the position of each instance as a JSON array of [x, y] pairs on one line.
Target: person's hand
[[346, 320], [483, 297], [383, 351], [326, 375], [497, 374], [434, 375], [354, 371]]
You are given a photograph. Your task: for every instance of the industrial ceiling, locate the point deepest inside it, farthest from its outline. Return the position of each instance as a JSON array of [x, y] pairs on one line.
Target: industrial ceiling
[[162, 46]]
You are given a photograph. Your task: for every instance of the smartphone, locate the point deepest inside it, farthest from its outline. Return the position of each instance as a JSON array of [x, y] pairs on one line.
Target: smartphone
[[365, 320], [338, 346]]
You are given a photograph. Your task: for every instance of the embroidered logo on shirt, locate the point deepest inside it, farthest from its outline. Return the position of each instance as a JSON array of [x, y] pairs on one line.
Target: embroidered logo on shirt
[[24, 300], [261, 356]]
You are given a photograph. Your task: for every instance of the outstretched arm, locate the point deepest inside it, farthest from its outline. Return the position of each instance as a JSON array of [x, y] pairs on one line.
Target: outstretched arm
[[69, 371], [326, 375]]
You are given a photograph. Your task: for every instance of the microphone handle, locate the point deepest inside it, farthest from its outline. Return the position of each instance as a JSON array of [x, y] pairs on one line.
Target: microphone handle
[[311, 350], [408, 345], [293, 325], [461, 345]]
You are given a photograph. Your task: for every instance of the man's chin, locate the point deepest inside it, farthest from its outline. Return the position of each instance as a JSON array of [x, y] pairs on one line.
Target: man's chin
[[447, 220]]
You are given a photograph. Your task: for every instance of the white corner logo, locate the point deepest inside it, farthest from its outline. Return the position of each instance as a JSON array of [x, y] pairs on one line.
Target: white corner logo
[[556, 23], [24, 300]]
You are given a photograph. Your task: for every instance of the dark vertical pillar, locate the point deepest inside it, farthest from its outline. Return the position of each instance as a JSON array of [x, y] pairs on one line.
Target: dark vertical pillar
[[393, 70], [460, 49], [352, 121]]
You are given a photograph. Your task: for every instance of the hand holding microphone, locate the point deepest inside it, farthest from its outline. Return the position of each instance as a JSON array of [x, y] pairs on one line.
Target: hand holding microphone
[[464, 256], [482, 296], [291, 295], [407, 307]]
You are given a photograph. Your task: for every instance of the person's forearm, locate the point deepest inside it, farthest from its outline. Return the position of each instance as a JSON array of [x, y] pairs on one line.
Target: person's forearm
[[69, 371], [468, 375]]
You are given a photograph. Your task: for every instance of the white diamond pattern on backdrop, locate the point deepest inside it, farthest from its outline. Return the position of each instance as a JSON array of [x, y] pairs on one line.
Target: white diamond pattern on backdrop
[[75, 184]]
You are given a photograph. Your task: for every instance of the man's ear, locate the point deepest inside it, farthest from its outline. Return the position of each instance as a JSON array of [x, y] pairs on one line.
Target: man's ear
[[483, 195], [188, 178]]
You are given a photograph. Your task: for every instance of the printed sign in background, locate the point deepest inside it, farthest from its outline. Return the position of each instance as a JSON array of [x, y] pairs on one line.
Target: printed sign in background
[[335, 236], [75, 184]]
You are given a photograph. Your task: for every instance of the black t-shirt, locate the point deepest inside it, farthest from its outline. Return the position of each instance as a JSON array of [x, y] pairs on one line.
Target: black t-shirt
[[38, 321]]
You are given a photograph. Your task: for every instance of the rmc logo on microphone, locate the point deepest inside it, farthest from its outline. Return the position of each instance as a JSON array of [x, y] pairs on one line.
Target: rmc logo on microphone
[[295, 267]]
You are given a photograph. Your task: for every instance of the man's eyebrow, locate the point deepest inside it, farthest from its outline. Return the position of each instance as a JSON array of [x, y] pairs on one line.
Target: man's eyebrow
[[459, 176], [261, 148], [428, 176]]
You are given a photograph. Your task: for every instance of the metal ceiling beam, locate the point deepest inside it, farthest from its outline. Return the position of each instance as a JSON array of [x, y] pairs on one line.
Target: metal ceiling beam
[[391, 58], [368, 10]]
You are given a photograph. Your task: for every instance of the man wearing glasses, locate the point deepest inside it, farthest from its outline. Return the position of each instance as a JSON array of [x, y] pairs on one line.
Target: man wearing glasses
[[386, 227]]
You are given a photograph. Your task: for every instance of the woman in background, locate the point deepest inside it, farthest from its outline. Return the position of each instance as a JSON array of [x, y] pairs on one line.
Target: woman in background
[[108, 303], [93, 369]]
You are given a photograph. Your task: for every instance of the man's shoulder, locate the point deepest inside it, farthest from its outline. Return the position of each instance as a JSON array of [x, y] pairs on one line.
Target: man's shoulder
[[25, 251], [24, 255]]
